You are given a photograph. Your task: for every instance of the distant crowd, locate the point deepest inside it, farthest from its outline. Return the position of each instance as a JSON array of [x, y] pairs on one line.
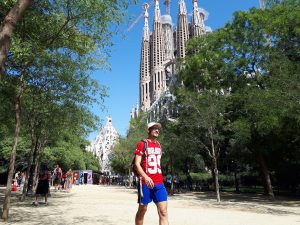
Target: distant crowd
[[57, 178]]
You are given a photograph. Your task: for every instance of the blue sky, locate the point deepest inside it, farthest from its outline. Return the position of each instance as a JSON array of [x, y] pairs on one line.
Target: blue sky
[[123, 78]]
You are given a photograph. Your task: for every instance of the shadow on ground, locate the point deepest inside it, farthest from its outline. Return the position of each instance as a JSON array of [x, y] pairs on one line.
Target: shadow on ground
[[26, 211], [21, 212], [251, 202]]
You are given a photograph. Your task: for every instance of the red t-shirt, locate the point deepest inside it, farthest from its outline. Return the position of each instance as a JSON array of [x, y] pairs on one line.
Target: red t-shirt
[[151, 160]]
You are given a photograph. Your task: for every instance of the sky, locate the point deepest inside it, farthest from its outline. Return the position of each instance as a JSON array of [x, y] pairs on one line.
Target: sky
[[122, 80]]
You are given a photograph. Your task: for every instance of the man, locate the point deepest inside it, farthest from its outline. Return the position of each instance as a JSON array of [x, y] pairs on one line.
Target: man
[[57, 174], [169, 182], [148, 167]]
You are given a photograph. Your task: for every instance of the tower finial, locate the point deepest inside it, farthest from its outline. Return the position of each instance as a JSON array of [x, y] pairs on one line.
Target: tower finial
[[146, 6], [167, 5]]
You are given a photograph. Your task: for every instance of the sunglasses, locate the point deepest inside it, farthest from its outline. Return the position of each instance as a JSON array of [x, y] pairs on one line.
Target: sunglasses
[[155, 129]]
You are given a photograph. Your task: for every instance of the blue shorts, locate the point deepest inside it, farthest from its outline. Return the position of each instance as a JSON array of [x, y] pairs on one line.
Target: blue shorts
[[157, 194]]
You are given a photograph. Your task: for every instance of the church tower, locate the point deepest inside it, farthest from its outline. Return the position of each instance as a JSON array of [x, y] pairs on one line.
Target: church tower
[[197, 21], [168, 41], [145, 78], [182, 33], [157, 56]]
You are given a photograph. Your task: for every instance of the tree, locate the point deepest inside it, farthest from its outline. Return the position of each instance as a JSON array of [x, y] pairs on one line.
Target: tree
[[57, 32], [245, 71], [123, 151], [205, 80], [259, 121], [7, 28]]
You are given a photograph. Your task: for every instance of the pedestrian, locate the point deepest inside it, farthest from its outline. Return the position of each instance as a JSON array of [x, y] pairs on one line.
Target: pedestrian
[[69, 177], [169, 181], [57, 174], [63, 181], [151, 185], [19, 179], [23, 177], [176, 183], [189, 181], [16, 178], [43, 185]]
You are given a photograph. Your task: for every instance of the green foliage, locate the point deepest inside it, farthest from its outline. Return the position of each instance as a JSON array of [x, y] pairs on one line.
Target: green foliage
[[55, 47], [22, 153], [69, 153], [123, 151], [241, 84]]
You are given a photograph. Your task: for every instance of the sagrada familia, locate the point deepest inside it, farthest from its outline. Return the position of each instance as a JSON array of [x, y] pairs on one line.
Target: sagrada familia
[[160, 50], [103, 144]]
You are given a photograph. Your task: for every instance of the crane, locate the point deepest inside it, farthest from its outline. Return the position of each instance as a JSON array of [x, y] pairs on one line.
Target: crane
[[146, 6]]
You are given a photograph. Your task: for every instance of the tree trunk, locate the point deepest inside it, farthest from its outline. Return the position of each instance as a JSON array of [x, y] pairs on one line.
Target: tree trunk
[[215, 167], [29, 164], [236, 182], [265, 176], [129, 178], [29, 161], [36, 175], [216, 176], [41, 146], [7, 28], [172, 174], [32, 168], [6, 203]]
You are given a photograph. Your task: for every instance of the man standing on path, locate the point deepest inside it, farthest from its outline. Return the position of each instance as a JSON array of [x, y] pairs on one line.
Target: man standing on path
[[147, 162], [57, 174]]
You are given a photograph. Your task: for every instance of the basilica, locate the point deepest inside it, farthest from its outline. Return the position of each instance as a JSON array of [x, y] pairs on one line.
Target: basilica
[[160, 50], [103, 145]]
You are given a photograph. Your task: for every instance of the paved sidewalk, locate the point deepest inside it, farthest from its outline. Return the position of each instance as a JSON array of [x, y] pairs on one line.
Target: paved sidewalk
[[99, 205]]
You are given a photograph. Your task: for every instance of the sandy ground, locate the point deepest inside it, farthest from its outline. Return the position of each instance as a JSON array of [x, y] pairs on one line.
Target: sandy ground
[[91, 204]]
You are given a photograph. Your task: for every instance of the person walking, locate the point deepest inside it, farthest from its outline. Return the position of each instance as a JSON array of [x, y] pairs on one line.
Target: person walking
[[43, 185], [151, 185], [57, 175], [69, 178]]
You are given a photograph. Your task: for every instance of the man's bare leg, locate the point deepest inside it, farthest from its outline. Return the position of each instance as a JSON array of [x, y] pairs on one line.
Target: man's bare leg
[[162, 209], [139, 217]]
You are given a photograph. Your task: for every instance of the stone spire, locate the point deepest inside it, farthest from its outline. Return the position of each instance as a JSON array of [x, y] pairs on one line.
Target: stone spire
[[182, 33], [157, 12], [157, 56], [145, 98], [197, 21], [146, 32], [168, 40]]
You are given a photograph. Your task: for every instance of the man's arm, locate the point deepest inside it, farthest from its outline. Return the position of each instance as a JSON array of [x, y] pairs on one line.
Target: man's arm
[[142, 173]]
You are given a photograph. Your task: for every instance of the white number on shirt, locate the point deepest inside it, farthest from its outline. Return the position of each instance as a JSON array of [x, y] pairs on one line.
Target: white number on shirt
[[154, 164]]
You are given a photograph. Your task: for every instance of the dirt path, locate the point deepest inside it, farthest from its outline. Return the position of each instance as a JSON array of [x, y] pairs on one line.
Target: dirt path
[[99, 205]]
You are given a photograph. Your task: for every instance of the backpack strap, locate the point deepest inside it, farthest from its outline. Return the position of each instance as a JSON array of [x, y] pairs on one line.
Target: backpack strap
[[144, 153], [139, 186], [160, 147]]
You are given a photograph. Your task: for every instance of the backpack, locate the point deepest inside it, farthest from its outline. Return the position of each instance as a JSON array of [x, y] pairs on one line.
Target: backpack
[[57, 175], [133, 166]]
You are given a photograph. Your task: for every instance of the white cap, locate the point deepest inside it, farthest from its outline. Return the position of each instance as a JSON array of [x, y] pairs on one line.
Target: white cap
[[152, 124]]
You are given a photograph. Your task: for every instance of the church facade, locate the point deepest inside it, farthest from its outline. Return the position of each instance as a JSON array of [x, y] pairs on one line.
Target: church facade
[[103, 145]]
